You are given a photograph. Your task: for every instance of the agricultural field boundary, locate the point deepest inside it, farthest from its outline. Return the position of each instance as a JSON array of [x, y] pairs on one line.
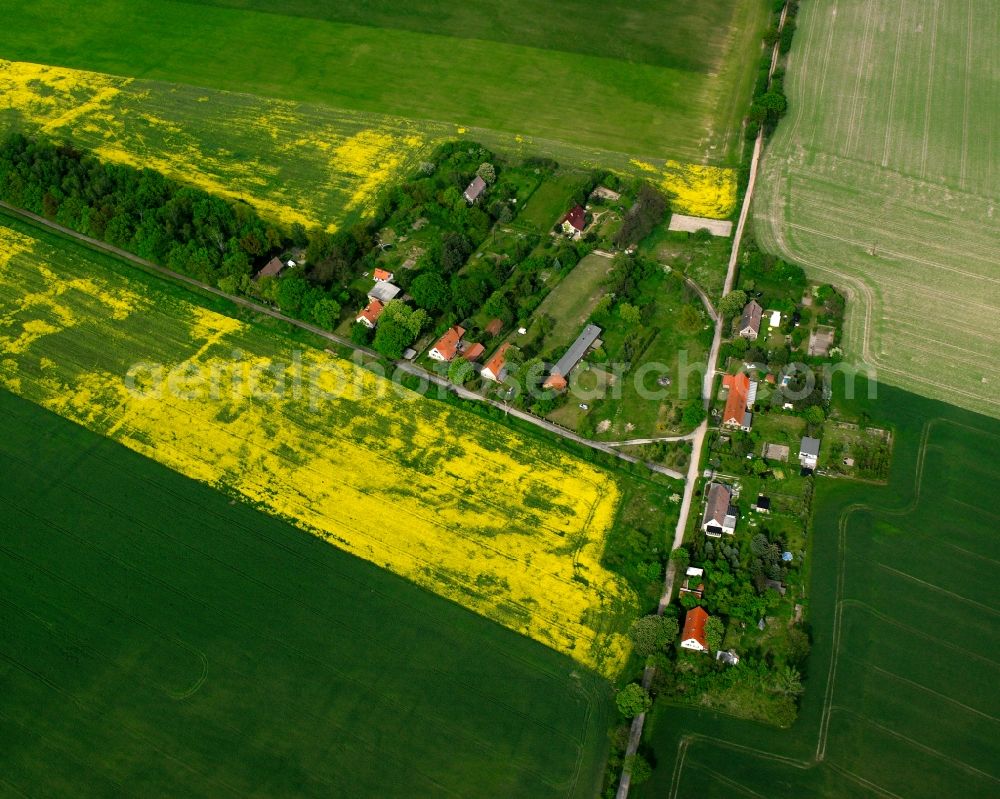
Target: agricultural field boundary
[[294, 162], [360, 352], [883, 180], [137, 575], [102, 403], [602, 102]]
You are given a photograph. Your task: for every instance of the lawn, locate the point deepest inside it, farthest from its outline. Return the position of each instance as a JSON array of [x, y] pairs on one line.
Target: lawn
[[883, 180], [505, 524], [896, 703], [572, 301], [639, 406], [704, 261], [678, 90], [552, 199], [162, 640]]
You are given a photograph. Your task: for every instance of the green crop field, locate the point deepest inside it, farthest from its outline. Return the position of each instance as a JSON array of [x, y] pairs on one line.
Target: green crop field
[[652, 79], [161, 640], [885, 179], [900, 687]]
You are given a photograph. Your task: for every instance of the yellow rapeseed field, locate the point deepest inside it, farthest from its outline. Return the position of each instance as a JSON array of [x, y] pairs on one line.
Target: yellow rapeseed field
[[294, 162], [695, 189], [507, 526]]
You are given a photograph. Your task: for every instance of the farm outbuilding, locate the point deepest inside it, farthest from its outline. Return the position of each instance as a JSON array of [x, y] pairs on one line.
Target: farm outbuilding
[[559, 375]]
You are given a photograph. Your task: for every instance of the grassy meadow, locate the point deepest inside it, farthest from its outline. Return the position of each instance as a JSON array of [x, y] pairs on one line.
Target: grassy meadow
[[162, 640], [508, 525], [903, 605], [570, 304], [883, 179], [681, 92]]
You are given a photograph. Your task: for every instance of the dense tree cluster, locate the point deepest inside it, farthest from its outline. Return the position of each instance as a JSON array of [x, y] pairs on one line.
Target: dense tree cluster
[[769, 103], [138, 210], [653, 633], [632, 700], [649, 209]]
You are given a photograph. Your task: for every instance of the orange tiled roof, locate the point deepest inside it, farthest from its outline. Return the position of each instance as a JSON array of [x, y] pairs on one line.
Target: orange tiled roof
[[473, 352], [373, 311], [447, 345], [495, 364], [694, 626], [736, 402]]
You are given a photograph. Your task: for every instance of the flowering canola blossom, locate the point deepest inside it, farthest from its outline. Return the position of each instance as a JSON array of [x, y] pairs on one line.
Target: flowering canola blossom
[[293, 162], [695, 189], [510, 527]]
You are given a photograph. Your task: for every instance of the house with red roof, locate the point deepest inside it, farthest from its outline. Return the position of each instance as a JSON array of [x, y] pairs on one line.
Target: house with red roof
[[574, 221], [383, 276], [496, 367], [742, 392], [693, 636], [369, 316], [473, 352], [447, 346]]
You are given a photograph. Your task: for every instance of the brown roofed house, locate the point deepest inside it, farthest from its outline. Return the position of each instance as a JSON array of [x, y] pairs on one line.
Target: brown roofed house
[[473, 352], [494, 327], [383, 275], [750, 320], [574, 221], [720, 513], [474, 190], [271, 269]]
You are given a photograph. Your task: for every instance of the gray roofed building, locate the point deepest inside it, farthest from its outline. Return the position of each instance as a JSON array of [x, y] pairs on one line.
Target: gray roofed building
[[560, 372], [720, 513], [383, 292], [809, 452], [474, 190], [750, 320], [729, 657]]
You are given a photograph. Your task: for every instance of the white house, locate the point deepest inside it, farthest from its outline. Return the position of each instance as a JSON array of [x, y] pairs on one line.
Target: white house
[[496, 367], [720, 513], [693, 636], [447, 346], [809, 452], [369, 316]]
